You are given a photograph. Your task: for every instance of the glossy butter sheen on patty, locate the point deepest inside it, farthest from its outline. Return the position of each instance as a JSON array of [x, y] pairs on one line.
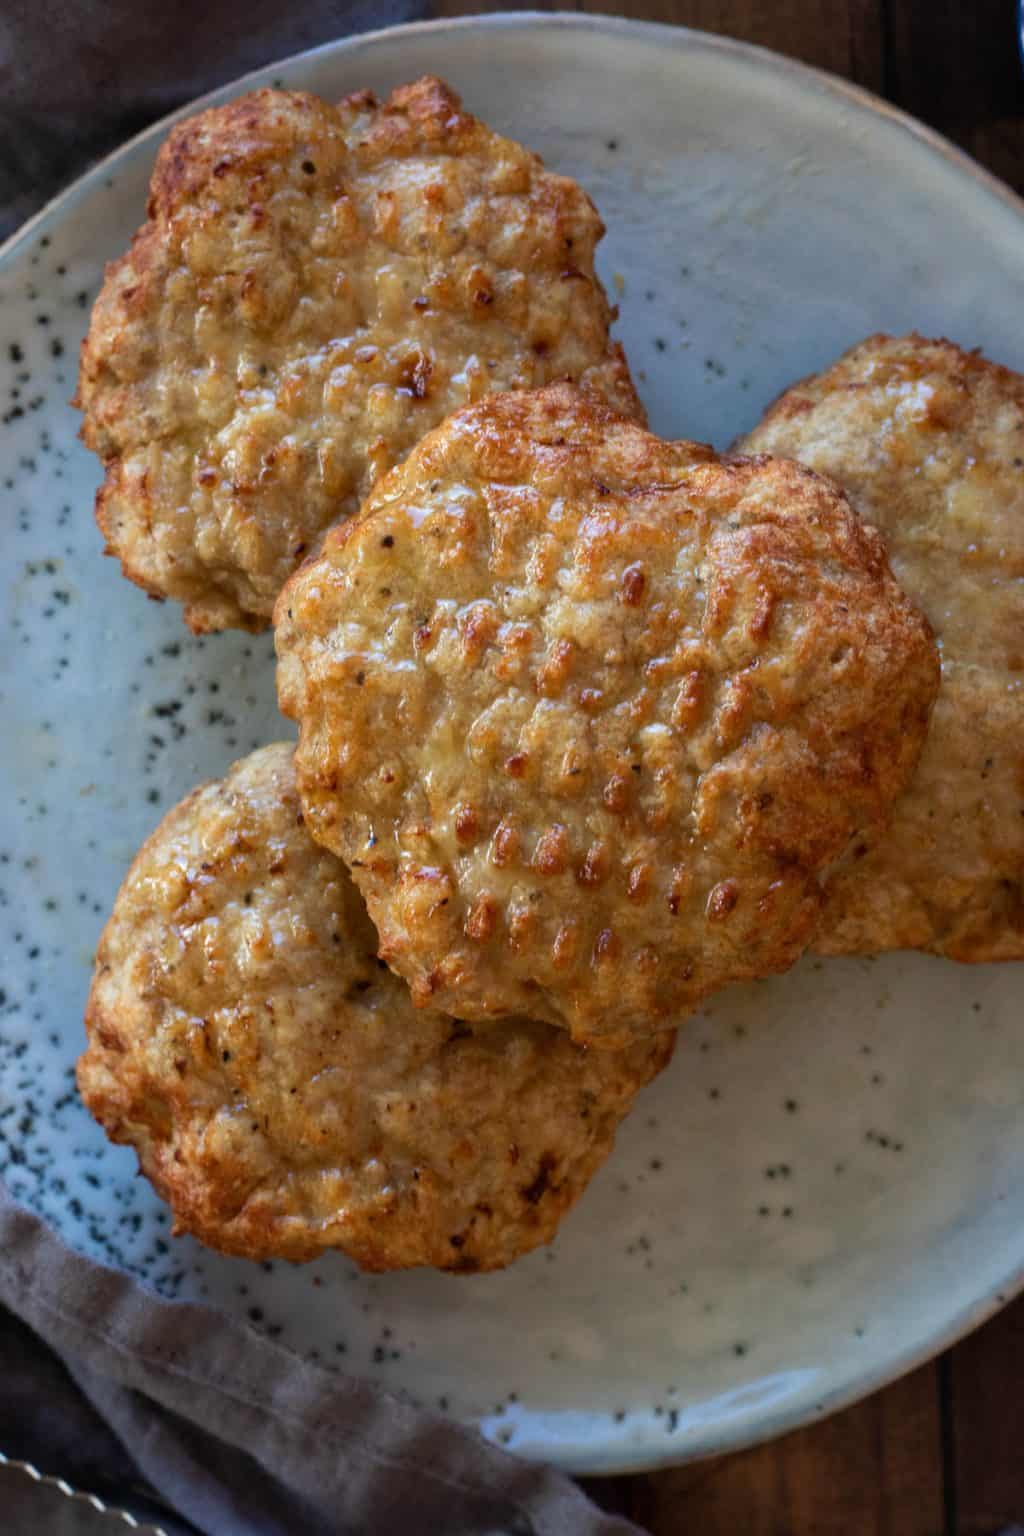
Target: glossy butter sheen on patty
[[282, 1093], [314, 288], [587, 713], [928, 440]]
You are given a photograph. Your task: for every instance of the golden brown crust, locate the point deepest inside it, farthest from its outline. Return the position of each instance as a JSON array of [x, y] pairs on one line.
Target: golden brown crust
[[929, 442], [315, 288], [586, 712], [282, 1093]]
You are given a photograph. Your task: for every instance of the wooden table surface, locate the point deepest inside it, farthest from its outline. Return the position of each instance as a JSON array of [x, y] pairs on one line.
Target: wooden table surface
[[941, 1451]]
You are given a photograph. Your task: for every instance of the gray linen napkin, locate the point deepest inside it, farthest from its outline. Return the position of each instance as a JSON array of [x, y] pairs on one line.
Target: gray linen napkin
[[244, 1438], [232, 1431]]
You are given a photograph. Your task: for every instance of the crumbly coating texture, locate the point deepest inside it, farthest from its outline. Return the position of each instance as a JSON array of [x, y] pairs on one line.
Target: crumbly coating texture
[[280, 1089], [586, 712], [929, 442], [316, 287]]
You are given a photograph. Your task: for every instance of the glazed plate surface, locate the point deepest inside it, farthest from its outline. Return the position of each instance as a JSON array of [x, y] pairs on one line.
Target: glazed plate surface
[[829, 1183]]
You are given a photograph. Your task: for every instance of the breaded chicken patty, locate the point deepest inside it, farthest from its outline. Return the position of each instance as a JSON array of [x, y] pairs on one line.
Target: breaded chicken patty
[[314, 288], [929, 442], [280, 1089], [586, 712]]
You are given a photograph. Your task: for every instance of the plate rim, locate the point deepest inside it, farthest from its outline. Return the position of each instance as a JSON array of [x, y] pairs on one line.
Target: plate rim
[[647, 1455], [678, 38]]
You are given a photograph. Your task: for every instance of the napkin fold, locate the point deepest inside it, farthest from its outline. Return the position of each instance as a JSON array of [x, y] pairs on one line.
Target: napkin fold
[[242, 1437]]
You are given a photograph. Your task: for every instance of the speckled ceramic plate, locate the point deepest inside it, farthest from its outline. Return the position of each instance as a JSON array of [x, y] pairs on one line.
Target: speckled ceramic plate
[[828, 1183]]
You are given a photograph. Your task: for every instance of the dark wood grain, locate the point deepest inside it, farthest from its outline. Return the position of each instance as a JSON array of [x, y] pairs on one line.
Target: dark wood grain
[[940, 1453], [954, 64], [987, 1380], [875, 1470], [844, 36]]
